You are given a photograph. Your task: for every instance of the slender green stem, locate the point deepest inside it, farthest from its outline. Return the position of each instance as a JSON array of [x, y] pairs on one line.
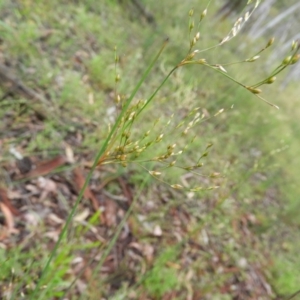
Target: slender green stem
[[239, 83], [89, 176]]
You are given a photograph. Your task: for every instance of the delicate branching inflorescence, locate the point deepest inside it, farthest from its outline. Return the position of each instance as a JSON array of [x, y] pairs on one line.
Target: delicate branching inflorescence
[[127, 145], [220, 67]]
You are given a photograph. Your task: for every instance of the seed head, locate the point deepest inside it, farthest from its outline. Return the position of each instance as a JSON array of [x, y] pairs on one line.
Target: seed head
[[118, 99], [287, 60], [177, 186], [172, 163], [159, 138], [202, 16], [270, 42], [192, 25], [189, 168], [118, 77], [271, 80], [254, 58], [253, 90], [131, 116], [186, 131], [224, 40], [140, 150], [295, 59], [171, 147], [201, 61], [154, 173], [247, 15], [192, 43], [294, 45]]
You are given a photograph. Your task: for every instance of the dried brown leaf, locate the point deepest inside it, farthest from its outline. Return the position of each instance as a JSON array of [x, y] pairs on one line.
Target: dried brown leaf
[[79, 181], [46, 167], [9, 220], [47, 185], [69, 154], [110, 213], [4, 199]]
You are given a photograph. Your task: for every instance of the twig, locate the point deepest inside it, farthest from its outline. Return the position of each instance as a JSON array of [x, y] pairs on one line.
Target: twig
[[293, 296], [149, 17], [10, 83]]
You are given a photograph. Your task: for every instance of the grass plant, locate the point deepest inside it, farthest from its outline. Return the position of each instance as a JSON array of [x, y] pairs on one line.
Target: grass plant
[[172, 148]]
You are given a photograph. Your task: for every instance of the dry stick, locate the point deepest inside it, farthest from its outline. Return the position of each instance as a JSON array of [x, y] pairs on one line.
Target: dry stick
[[149, 17], [10, 83], [294, 295]]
